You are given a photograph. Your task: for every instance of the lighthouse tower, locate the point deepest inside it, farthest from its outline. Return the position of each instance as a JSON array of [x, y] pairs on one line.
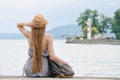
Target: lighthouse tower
[[89, 28]]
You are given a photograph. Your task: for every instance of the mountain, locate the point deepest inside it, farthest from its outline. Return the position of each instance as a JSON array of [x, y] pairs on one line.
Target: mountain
[[67, 30], [57, 32], [11, 36]]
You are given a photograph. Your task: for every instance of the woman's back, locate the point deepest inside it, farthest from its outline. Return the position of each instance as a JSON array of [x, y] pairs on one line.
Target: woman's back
[[44, 44], [45, 65]]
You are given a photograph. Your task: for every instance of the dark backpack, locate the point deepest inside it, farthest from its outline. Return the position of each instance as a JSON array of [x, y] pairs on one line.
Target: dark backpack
[[60, 70]]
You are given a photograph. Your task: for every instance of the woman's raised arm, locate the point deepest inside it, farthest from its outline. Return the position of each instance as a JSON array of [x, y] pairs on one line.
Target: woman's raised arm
[[25, 32]]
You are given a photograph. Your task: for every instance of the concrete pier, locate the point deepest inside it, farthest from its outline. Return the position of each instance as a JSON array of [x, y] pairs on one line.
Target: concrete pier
[[93, 41], [38, 78]]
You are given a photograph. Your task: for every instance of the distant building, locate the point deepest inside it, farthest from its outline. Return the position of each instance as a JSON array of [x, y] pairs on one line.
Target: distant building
[[101, 36]]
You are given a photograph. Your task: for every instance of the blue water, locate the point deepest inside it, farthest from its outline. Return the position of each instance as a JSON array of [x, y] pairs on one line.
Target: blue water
[[87, 60]]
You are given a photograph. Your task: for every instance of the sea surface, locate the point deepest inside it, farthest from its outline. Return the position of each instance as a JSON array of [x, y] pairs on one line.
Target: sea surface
[[89, 60]]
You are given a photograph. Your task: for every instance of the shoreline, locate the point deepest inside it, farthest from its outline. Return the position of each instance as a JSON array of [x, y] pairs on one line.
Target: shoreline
[[93, 41]]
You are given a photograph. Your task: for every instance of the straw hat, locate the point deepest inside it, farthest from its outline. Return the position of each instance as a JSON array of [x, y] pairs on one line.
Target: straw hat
[[39, 21]]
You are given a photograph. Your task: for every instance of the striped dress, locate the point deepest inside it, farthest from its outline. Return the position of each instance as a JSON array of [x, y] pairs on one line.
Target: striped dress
[[45, 65]]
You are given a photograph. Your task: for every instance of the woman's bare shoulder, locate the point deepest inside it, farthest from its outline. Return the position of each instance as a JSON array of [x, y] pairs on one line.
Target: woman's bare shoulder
[[48, 36]]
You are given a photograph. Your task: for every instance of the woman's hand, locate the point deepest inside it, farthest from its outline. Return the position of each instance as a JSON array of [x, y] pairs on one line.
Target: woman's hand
[[32, 24], [68, 65]]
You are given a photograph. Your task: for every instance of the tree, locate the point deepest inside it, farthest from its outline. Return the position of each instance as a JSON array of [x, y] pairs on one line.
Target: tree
[[105, 23], [100, 22], [116, 24], [93, 14], [94, 31]]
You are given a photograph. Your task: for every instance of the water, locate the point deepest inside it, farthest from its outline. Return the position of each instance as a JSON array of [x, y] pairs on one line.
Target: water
[[86, 60]]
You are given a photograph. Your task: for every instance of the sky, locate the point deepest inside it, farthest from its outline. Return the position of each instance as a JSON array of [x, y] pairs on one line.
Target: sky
[[57, 12]]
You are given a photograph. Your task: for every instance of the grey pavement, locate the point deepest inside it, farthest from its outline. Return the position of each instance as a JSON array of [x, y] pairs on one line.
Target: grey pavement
[[74, 78]]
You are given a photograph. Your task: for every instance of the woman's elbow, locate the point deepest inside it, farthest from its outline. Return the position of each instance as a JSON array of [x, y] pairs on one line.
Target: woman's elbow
[[18, 24]]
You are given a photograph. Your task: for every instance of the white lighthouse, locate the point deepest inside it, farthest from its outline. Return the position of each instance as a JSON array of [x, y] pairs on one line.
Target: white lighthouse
[[89, 28]]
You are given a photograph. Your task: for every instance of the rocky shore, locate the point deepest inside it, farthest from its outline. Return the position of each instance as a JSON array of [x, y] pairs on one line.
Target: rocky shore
[[94, 41]]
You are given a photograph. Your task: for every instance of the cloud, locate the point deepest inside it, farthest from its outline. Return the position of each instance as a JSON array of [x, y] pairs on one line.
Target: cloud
[[58, 12], [17, 3]]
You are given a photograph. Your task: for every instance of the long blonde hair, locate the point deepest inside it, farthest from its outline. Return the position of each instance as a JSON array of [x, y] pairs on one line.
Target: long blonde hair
[[37, 42]]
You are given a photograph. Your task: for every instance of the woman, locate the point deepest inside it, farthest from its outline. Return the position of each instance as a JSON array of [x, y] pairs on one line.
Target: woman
[[40, 46]]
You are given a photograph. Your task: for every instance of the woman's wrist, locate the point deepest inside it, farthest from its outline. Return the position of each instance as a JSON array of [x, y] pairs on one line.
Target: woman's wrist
[[26, 24]]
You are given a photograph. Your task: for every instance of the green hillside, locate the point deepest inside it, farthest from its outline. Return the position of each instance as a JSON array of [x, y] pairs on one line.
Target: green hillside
[[66, 30]]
